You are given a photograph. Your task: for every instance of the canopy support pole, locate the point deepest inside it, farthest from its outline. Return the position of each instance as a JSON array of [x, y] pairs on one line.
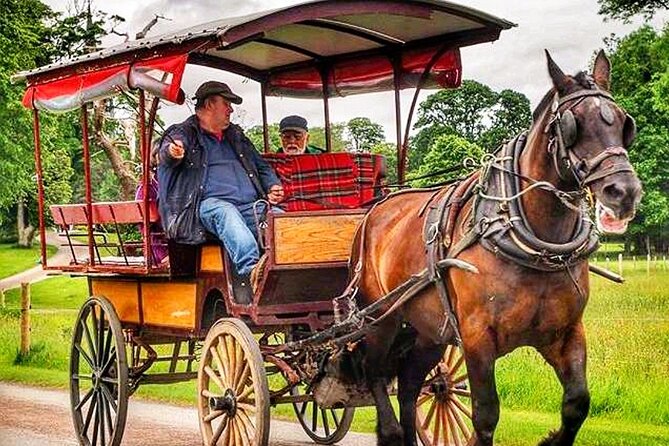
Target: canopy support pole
[[428, 68], [263, 106], [325, 72], [40, 185], [397, 73], [146, 178], [87, 182], [153, 111]]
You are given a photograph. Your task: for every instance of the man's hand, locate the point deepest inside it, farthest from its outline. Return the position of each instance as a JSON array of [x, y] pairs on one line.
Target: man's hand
[[176, 149], [275, 194]]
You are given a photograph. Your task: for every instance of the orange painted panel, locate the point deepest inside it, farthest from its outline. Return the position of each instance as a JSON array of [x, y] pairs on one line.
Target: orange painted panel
[[314, 239], [211, 259], [122, 294], [169, 304]]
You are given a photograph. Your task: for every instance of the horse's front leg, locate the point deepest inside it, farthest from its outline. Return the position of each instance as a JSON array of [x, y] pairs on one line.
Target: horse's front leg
[[422, 358], [377, 369], [568, 358], [480, 356]]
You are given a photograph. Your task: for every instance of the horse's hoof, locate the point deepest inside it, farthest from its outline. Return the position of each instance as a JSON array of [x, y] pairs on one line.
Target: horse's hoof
[[393, 438], [550, 440]]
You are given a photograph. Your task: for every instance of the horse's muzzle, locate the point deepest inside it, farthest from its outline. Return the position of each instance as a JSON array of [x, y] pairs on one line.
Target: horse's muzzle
[[617, 196]]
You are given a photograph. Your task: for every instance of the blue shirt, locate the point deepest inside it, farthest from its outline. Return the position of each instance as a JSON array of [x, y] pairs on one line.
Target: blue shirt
[[225, 177]]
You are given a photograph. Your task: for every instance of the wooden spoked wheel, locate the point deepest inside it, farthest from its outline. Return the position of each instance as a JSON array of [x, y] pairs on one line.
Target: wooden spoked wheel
[[233, 396], [324, 426], [443, 410], [98, 375]]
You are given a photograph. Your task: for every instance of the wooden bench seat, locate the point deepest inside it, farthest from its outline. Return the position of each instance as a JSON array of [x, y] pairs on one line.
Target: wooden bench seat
[[114, 212]]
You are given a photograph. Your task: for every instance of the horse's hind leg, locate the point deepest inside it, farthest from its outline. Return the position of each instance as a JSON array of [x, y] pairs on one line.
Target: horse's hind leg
[[377, 368], [412, 372], [568, 357]]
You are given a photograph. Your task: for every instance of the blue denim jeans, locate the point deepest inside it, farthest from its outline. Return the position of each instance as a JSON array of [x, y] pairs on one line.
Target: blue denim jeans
[[235, 227]]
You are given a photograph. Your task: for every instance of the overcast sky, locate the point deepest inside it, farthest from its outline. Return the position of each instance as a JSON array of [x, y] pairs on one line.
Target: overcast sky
[[570, 29]]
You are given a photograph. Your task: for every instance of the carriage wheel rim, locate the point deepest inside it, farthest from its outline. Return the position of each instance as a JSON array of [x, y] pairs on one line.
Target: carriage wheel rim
[[443, 414], [341, 419], [233, 395], [324, 426], [98, 390]]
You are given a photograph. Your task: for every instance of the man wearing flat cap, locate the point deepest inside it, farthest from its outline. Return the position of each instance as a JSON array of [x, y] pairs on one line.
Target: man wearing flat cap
[[295, 136], [210, 177]]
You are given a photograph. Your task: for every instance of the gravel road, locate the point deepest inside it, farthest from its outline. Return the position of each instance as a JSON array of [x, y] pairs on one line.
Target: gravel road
[[39, 417]]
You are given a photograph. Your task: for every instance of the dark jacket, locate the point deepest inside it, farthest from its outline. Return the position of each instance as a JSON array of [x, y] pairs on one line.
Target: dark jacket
[[181, 181]]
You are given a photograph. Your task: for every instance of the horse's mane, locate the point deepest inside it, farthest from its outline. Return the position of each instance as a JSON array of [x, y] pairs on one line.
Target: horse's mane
[[581, 81]]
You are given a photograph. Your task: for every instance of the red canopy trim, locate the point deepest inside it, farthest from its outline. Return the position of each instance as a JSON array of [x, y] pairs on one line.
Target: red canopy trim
[[371, 75], [160, 77]]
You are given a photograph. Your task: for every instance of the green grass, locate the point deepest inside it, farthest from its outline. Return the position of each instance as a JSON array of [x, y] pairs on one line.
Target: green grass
[[58, 293], [14, 260], [627, 327]]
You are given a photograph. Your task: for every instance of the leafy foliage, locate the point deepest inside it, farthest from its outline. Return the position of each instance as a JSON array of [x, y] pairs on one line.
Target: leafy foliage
[[389, 151], [363, 134], [625, 9], [473, 112], [447, 152], [24, 38], [640, 83]]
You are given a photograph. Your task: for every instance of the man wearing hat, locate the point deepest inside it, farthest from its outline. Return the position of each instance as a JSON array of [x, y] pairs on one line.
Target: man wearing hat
[[210, 177], [295, 136]]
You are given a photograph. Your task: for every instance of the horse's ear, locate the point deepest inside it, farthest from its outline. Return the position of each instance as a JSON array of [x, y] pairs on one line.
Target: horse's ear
[[602, 71], [560, 80]]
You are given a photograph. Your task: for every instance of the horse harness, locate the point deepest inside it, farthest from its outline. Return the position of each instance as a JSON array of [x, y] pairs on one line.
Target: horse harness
[[497, 219]]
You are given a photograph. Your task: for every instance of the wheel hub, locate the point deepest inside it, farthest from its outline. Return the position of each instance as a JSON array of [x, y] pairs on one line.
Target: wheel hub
[[227, 403], [440, 386]]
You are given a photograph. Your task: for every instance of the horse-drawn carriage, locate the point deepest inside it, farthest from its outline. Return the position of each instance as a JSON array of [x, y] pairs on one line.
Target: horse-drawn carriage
[[150, 322]]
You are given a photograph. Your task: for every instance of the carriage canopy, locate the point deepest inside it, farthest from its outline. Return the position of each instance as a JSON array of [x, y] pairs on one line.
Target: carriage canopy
[[332, 48]]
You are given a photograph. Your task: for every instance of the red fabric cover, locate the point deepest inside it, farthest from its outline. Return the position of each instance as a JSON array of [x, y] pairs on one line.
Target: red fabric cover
[[372, 74], [325, 181], [71, 92]]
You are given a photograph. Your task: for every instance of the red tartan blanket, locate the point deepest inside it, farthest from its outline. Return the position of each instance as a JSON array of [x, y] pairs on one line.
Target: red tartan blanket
[[326, 181]]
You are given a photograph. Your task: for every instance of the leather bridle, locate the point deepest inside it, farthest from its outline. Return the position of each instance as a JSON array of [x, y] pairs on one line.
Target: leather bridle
[[562, 127]]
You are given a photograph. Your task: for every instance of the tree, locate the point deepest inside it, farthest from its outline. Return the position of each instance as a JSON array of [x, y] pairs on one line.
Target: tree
[[639, 82], [255, 134], [363, 134], [625, 9], [474, 112], [448, 151], [24, 37]]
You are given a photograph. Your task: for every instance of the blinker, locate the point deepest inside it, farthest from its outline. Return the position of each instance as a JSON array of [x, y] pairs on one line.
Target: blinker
[[606, 113]]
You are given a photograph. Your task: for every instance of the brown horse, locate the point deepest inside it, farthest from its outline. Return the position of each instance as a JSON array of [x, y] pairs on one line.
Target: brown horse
[[533, 296]]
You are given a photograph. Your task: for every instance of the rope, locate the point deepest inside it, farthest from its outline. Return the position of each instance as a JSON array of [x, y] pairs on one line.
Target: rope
[[564, 197]]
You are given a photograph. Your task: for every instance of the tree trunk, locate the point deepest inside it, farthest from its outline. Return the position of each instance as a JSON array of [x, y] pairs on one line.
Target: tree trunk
[[123, 173], [26, 232]]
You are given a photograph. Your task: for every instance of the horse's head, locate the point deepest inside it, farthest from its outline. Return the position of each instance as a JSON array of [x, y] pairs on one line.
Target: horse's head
[[589, 135]]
